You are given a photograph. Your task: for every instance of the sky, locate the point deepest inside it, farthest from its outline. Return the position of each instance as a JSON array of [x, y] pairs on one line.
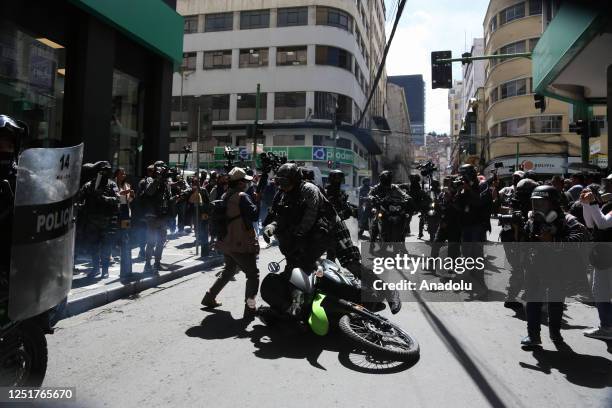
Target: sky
[[433, 25]]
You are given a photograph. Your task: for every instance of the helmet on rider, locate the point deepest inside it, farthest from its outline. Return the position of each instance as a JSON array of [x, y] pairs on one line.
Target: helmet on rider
[[287, 177], [12, 132], [336, 177], [307, 174], [386, 177]]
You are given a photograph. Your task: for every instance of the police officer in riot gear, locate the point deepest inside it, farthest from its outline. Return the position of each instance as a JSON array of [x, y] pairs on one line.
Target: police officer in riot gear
[[337, 197], [513, 227], [157, 195], [385, 188], [11, 134], [548, 223], [306, 225], [364, 207], [100, 198]]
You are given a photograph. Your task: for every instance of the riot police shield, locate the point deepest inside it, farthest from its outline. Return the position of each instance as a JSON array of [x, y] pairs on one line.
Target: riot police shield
[[42, 253]]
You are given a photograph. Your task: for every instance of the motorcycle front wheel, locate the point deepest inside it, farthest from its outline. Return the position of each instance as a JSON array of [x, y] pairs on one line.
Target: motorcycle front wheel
[[23, 356], [381, 337]]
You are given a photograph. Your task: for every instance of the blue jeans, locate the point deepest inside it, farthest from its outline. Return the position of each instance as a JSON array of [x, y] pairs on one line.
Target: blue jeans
[[602, 291]]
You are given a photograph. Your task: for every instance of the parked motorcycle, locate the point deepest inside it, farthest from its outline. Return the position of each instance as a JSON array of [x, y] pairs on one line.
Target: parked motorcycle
[[329, 298]]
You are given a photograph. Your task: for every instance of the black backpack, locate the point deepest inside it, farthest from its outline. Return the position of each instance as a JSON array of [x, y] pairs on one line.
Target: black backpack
[[218, 219]]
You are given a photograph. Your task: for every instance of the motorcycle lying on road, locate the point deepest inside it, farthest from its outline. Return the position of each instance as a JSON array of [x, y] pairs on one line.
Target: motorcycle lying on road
[[319, 301]]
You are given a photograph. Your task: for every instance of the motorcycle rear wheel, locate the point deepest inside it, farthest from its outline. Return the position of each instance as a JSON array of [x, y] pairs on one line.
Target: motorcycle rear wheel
[[386, 339], [23, 356]]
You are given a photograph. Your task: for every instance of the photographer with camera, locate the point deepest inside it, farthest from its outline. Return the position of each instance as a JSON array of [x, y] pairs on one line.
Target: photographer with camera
[[100, 198], [475, 205], [449, 228], [180, 192], [157, 195], [513, 227], [547, 224]]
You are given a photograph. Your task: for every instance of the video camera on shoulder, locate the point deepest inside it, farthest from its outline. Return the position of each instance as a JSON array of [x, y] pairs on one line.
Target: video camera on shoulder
[[427, 168], [271, 162], [230, 155]]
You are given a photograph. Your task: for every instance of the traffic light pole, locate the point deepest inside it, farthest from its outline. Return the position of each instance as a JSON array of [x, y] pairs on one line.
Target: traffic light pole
[[257, 94]]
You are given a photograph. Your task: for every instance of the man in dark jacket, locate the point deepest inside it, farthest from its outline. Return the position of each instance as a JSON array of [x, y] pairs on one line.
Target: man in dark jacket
[[306, 225], [548, 226], [101, 204]]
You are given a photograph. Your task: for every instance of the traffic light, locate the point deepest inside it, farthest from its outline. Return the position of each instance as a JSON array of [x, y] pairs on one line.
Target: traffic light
[[441, 72], [578, 127], [330, 164], [540, 102], [465, 57]]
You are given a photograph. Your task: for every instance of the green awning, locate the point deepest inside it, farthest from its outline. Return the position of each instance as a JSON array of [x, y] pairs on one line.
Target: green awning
[[559, 68], [151, 23]]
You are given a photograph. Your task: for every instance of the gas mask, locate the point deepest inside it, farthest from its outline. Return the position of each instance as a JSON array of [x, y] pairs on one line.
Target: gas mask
[[543, 211], [7, 164]]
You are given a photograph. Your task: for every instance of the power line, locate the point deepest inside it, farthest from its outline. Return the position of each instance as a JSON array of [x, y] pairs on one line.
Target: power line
[[381, 68]]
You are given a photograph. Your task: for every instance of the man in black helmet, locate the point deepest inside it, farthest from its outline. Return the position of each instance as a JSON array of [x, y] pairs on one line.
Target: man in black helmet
[[421, 200], [548, 224], [157, 195], [512, 233], [386, 189], [11, 134], [475, 206], [100, 198], [306, 225], [337, 197], [364, 207]]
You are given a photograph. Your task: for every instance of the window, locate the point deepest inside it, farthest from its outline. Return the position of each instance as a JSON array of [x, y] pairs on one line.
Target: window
[[247, 104], [126, 123], [218, 104], [535, 7], [327, 103], [334, 17], [513, 48], [219, 22], [493, 95], [602, 123], [456, 106], [546, 124], [532, 43], [255, 57], [513, 88], [344, 143], [218, 59], [494, 131], [191, 24], [493, 24], [189, 61], [293, 16], [512, 13], [291, 55], [336, 57], [289, 105], [514, 127], [254, 19], [288, 140]]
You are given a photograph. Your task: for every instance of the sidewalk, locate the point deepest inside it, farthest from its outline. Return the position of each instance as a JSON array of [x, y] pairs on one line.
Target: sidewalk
[[179, 259]]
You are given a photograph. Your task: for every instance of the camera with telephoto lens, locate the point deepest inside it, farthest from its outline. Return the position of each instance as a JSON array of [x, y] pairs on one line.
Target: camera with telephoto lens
[[271, 162], [515, 218], [230, 156], [427, 169]]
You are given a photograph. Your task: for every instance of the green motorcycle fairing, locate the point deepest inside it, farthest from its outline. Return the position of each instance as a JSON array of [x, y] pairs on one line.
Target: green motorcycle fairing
[[318, 321]]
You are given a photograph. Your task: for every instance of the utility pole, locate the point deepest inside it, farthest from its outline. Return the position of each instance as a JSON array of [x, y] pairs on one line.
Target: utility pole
[[256, 127], [197, 206]]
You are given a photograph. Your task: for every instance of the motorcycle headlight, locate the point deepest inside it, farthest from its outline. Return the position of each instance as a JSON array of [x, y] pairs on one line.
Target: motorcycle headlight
[[379, 215]]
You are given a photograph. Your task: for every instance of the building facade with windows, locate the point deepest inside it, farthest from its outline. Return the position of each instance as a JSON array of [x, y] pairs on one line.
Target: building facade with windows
[[85, 71], [315, 63], [515, 130], [414, 89]]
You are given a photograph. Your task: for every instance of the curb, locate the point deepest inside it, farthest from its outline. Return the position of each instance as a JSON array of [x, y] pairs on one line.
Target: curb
[[120, 290]]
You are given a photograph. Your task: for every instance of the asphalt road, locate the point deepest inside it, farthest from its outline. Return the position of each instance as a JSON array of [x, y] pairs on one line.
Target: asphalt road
[[161, 349]]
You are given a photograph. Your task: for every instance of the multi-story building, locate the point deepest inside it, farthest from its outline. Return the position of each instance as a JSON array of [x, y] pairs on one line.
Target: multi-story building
[[472, 133], [414, 89], [516, 131], [315, 63], [397, 145], [455, 101]]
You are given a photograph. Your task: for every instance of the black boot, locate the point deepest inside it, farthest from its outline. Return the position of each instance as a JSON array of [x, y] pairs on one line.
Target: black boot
[[555, 334], [531, 340], [394, 301], [209, 301]]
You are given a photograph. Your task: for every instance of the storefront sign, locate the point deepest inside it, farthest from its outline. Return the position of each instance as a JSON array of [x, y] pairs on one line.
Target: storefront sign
[[540, 164], [295, 153]]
